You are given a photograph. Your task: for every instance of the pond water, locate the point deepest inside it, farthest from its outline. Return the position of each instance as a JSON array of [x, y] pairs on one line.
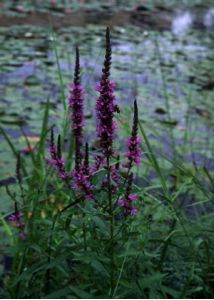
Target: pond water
[[170, 73]]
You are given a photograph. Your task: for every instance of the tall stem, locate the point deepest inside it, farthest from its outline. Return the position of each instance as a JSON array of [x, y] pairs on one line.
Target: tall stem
[[84, 235], [111, 215], [50, 242]]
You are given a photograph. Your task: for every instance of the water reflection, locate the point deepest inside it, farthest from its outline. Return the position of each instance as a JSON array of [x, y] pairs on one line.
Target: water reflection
[[182, 22], [209, 18]]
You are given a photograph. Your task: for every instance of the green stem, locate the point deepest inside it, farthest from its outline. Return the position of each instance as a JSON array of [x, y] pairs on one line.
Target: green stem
[[50, 242], [84, 229], [124, 184], [84, 236], [111, 214]]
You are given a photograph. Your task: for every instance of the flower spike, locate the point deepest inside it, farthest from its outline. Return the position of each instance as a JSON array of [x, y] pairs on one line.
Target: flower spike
[[105, 107], [59, 150], [126, 203], [76, 104], [56, 159], [77, 68], [134, 152], [18, 169]]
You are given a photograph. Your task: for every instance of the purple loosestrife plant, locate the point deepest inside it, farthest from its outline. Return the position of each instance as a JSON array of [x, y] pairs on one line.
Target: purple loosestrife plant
[[105, 109], [56, 159], [82, 177], [115, 172], [86, 160], [126, 203], [82, 182], [80, 174], [94, 225], [16, 220], [133, 155], [105, 105], [114, 176], [134, 152], [76, 101]]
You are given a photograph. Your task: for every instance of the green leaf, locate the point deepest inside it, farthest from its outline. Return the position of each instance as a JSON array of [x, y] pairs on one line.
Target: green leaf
[[7, 229], [61, 293], [98, 266], [151, 280], [80, 293], [100, 224]]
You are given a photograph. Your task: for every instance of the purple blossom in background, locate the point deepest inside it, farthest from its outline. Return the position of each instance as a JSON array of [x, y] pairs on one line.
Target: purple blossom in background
[[82, 177], [115, 172], [133, 142], [105, 106], [23, 235], [126, 203], [16, 219], [114, 175], [56, 160], [82, 173], [99, 162], [76, 104], [76, 101], [134, 152], [82, 183]]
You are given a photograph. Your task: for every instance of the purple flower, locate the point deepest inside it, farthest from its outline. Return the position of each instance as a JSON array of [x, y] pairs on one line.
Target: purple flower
[[76, 101], [115, 172], [99, 163], [105, 106], [134, 151], [114, 175], [23, 235], [133, 211], [105, 109], [121, 202], [56, 160], [76, 105], [16, 219], [126, 203], [82, 182], [132, 197], [82, 176]]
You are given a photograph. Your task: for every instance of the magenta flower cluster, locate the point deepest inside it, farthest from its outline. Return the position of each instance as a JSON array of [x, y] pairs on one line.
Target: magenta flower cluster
[[57, 161], [16, 219], [105, 105], [126, 203], [76, 101], [80, 178], [58, 164], [76, 105], [105, 108], [82, 182], [134, 152]]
